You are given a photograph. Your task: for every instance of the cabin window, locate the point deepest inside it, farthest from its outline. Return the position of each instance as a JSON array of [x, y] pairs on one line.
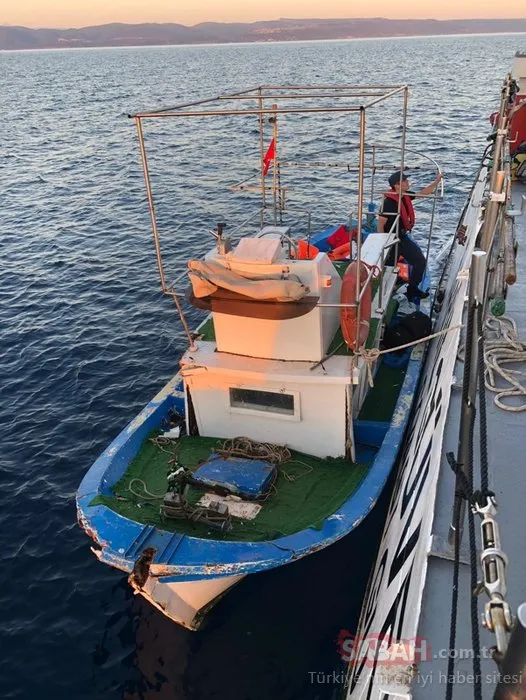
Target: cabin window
[[264, 401]]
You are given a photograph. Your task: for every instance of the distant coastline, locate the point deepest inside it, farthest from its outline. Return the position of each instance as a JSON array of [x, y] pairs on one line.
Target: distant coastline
[[130, 35]]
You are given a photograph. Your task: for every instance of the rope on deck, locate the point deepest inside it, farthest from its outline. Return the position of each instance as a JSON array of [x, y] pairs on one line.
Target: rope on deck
[[506, 348]]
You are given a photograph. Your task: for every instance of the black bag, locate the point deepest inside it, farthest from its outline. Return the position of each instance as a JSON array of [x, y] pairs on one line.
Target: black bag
[[407, 329]]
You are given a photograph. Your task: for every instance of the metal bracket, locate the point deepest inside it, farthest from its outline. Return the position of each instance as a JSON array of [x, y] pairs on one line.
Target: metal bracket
[[497, 196], [518, 212], [441, 549]]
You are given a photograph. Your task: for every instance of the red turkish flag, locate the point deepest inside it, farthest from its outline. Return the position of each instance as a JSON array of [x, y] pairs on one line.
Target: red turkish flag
[[270, 155]]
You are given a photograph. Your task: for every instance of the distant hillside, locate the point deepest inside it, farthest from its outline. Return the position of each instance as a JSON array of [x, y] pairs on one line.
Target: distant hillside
[[214, 32]]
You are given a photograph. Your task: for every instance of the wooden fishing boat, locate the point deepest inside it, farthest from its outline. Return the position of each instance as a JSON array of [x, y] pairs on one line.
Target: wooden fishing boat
[[280, 431]]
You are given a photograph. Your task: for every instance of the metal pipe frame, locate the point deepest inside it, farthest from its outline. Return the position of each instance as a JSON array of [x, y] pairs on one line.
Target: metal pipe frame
[[151, 205], [246, 94], [304, 96], [194, 103], [330, 87], [275, 163], [359, 291], [349, 167], [431, 224], [174, 111], [262, 159], [249, 112], [260, 95]]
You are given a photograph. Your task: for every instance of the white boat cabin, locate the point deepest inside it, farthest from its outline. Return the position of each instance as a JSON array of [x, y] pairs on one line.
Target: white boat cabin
[[264, 372]]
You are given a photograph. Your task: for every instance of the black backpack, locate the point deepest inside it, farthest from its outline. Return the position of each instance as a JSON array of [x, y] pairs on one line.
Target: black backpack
[[406, 329]]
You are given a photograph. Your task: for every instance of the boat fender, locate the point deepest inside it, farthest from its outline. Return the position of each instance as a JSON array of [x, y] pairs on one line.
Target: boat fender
[[355, 329]]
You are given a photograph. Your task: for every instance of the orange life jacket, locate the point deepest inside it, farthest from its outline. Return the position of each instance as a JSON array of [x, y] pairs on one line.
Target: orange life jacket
[[407, 212]]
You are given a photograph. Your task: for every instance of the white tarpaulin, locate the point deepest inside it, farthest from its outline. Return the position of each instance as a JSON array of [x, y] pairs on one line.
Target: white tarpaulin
[[207, 277]]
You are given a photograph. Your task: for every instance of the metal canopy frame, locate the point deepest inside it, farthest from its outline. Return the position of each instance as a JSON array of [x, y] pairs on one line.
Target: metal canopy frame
[[366, 96], [274, 92]]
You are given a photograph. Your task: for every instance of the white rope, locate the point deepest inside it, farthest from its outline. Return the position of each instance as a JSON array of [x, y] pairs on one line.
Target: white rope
[[506, 348], [370, 356]]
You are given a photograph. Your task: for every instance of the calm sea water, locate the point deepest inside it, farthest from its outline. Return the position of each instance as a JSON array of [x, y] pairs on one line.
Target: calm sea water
[[86, 340]]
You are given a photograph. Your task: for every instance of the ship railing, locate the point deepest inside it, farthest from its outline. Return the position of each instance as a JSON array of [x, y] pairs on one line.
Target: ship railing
[[486, 278]]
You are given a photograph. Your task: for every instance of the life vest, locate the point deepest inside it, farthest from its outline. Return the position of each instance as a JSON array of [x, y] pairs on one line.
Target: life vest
[[340, 237], [407, 212], [343, 252], [306, 251]]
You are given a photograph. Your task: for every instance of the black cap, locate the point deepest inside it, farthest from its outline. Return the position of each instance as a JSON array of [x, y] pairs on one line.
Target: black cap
[[397, 177]]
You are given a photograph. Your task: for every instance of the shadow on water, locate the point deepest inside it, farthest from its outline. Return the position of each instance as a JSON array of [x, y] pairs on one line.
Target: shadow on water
[[275, 635]]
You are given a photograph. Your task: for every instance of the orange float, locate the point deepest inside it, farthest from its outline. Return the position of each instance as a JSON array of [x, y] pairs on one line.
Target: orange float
[[343, 252], [306, 251], [403, 270], [355, 328]]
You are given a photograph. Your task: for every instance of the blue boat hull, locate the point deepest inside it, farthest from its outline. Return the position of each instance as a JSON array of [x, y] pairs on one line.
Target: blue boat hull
[[181, 559]]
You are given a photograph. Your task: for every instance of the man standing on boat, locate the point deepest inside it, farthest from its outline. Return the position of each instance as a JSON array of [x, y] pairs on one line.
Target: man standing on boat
[[388, 222]]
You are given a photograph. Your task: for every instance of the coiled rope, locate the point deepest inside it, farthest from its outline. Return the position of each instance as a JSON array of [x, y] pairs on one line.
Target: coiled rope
[[506, 348], [267, 451], [245, 447]]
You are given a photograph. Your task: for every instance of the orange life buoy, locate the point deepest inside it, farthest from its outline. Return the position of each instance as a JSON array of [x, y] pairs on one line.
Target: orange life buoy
[[355, 328], [343, 252]]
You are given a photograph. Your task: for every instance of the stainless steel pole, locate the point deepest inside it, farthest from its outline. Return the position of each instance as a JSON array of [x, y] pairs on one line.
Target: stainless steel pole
[[151, 205], [262, 158], [275, 165], [359, 227]]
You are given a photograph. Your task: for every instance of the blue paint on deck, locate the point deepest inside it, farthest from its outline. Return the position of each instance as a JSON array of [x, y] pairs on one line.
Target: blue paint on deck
[[250, 478]]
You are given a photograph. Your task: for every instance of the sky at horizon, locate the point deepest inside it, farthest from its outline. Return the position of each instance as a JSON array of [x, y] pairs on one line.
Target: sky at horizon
[[62, 14]]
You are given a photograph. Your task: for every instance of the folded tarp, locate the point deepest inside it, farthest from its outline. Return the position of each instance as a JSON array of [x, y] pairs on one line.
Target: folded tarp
[[208, 277]]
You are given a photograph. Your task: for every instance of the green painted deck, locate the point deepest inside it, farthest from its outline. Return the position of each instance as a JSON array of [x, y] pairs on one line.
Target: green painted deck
[[305, 493], [381, 399]]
